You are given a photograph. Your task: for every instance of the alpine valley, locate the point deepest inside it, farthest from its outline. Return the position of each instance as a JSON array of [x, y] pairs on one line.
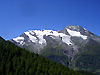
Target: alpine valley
[[73, 46]]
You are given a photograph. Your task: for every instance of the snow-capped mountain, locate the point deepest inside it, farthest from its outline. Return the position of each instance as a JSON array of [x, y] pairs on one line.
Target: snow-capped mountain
[[60, 46], [38, 39]]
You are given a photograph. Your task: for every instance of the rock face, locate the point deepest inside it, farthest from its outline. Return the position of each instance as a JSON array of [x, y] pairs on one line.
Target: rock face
[[64, 46]]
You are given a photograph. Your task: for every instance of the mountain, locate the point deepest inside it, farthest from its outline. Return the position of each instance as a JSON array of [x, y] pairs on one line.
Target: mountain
[[17, 61], [73, 46]]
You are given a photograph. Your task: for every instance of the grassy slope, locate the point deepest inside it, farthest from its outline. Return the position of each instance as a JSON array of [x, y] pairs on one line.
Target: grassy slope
[[89, 57]]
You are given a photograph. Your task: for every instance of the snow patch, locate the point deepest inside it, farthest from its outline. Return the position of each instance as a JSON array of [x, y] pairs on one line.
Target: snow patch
[[40, 34], [32, 38], [19, 40], [53, 37], [66, 39], [75, 33], [37, 36]]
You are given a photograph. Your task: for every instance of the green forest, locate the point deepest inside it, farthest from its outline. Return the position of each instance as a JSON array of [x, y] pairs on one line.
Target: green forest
[[17, 61]]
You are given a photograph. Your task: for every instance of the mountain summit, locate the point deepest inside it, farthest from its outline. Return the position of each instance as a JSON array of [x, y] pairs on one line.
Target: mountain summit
[[38, 39], [65, 46]]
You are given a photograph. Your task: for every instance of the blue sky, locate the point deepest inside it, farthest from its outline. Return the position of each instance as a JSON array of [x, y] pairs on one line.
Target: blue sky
[[18, 16]]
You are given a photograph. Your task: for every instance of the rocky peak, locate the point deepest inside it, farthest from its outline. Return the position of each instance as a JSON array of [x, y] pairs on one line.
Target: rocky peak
[[75, 28], [82, 31]]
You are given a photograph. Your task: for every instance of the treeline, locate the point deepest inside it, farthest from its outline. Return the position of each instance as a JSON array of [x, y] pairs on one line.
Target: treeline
[[18, 61]]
